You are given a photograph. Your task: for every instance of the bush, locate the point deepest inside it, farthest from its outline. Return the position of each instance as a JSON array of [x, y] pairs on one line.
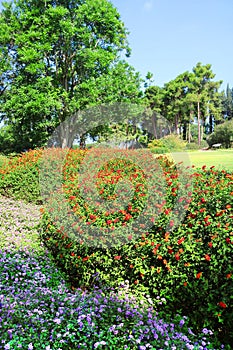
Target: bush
[[189, 265], [223, 133], [19, 176], [194, 145], [170, 143]]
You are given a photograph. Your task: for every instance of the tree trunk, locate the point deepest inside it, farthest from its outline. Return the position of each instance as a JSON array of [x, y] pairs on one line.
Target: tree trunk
[[199, 121]]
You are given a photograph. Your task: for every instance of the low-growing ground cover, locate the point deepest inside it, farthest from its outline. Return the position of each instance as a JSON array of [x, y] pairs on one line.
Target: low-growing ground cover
[[19, 225], [38, 311], [189, 266]]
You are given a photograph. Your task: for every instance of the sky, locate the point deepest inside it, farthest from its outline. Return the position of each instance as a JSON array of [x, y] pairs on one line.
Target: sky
[[169, 37]]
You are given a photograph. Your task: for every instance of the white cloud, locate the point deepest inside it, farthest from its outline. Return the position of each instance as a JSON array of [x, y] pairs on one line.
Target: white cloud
[[148, 5]]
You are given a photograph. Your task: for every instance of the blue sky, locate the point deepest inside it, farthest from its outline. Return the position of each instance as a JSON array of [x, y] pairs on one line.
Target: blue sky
[[169, 37]]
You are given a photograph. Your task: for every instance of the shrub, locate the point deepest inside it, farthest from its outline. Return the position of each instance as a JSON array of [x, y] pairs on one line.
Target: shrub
[[189, 265], [170, 143], [223, 133], [19, 176], [195, 146]]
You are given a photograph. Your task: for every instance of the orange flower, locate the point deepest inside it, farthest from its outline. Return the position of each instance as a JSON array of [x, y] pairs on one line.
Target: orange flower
[[229, 275], [198, 275], [207, 257], [185, 284]]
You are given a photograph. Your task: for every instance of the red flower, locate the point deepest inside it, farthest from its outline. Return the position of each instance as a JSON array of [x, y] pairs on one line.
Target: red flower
[[207, 257], [127, 217], [222, 304], [172, 223], [177, 256], [180, 240], [228, 240], [92, 217], [210, 244], [117, 257], [86, 258], [198, 275]]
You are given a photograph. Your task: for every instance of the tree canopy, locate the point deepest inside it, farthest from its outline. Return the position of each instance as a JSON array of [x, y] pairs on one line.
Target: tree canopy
[[58, 57]]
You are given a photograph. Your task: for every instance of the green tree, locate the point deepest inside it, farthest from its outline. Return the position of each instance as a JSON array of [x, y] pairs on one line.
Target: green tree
[[223, 134], [204, 94], [176, 103], [154, 106], [59, 57], [227, 103]]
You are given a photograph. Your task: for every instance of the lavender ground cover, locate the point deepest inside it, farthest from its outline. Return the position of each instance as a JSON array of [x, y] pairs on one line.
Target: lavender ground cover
[[38, 311]]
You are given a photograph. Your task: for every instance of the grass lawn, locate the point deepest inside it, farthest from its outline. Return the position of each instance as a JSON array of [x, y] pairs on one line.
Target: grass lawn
[[221, 159]]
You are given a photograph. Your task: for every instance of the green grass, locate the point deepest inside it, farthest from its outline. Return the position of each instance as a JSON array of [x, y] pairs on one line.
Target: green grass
[[221, 159]]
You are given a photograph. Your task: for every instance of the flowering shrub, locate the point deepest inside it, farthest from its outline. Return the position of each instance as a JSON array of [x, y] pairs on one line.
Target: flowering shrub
[[19, 176], [189, 265]]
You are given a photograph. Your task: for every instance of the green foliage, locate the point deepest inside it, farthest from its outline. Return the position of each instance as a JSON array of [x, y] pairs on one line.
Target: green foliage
[[223, 133], [167, 144], [195, 146], [19, 176], [58, 59], [190, 266]]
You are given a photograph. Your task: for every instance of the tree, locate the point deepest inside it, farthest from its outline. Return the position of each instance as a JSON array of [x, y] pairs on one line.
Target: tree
[[154, 103], [57, 57], [204, 93], [223, 134], [175, 101], [227, 102]]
